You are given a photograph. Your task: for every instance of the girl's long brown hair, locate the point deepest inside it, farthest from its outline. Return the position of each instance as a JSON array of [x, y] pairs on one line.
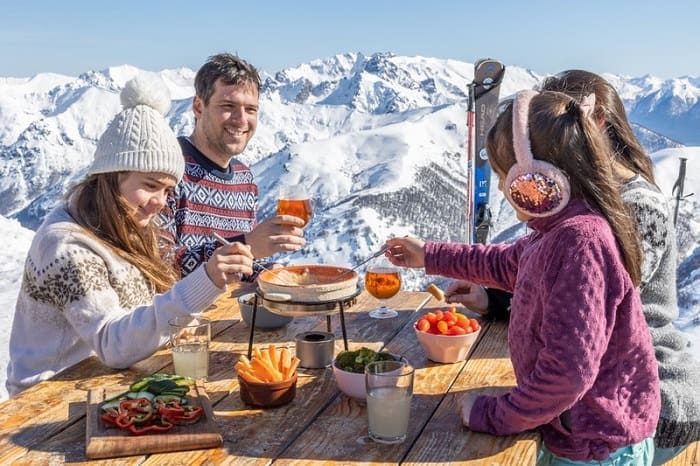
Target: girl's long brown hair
[[99, 208], [609, 109], [560, 135]]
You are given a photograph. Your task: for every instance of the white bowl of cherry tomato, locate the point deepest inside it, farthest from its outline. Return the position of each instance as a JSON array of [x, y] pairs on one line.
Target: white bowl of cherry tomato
[[446, 335]]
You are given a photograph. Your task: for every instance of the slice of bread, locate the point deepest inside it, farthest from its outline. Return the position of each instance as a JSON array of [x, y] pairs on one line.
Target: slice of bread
[[435, 291]]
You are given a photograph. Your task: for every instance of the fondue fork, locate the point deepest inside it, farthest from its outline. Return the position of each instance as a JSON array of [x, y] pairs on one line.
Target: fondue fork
[[373, 256], [257, 265]]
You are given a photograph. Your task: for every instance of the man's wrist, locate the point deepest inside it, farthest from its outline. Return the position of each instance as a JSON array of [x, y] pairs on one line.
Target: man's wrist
[[237, 239]]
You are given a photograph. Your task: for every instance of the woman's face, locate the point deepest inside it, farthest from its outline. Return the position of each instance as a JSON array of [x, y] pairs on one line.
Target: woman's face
[[145, 194]]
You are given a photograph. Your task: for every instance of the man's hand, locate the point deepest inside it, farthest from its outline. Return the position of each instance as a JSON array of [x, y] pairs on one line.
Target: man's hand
[[282, 233], [472, 296]]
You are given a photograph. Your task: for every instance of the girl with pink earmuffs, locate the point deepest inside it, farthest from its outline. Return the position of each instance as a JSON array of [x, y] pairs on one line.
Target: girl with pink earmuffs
[[585, 367]]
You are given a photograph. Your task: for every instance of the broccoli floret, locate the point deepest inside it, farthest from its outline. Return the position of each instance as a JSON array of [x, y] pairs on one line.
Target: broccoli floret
[[355, 361], [345, 360], [385, 357]]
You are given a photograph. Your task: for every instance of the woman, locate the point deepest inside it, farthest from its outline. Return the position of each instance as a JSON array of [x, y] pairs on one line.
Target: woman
[[94, 282]]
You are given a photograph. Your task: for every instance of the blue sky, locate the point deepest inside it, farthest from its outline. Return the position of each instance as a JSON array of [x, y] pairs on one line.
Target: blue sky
[[622, 37]]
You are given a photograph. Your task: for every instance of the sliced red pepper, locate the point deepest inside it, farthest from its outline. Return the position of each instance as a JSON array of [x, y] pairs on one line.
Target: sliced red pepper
[[171, 409], [166, 426], [137, 411], [123, 421], [109, 418], [137, 404], [141, 416], [189, 415]]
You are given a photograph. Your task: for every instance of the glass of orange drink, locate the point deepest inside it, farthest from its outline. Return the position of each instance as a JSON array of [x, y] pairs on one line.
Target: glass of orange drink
[[382, 280], [295, 200]]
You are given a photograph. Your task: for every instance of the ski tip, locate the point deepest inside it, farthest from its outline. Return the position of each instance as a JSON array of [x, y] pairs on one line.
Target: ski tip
[[488, 73]]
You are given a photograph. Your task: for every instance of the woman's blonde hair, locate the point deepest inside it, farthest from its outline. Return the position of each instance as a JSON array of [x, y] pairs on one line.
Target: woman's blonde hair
[[98, 206], [561, 135]]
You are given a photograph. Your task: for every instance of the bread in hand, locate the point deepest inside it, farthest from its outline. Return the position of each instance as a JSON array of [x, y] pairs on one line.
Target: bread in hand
[[435, 291]]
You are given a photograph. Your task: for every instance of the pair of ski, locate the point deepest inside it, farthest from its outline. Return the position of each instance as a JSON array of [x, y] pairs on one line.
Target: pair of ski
[[482, 108]]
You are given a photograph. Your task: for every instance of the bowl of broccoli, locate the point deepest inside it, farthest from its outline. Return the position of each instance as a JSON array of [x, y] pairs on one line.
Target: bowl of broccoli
[[349, 369]]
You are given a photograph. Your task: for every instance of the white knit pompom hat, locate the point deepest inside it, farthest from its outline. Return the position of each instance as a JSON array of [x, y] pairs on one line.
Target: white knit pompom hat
[[138, 138]]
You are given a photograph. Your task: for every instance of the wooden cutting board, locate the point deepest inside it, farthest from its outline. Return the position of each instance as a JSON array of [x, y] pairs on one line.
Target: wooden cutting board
[[108, 442]]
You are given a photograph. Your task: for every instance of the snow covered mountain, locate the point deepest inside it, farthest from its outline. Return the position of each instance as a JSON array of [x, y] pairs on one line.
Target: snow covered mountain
[[378, 139], [49, 124]]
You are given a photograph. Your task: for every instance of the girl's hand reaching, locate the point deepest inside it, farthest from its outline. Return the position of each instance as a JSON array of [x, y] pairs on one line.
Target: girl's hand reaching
[[228, 263], [465, 405], [406, 252], [472, 296]]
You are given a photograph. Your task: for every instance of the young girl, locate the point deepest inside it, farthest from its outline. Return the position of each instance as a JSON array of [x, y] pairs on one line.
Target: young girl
[[94, 282], [679, 372], [581, 352]]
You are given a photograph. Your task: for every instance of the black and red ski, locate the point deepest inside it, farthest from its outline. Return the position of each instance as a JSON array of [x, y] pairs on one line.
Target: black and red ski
[[481, 114]]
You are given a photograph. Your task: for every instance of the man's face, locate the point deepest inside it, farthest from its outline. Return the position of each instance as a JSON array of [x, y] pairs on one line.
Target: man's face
[[227, 123]]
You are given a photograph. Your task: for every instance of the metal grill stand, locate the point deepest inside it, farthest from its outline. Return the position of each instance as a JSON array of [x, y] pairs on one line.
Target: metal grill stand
[[298, 308]]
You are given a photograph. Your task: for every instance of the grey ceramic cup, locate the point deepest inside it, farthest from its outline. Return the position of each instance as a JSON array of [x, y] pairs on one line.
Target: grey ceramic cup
[[315, 349]]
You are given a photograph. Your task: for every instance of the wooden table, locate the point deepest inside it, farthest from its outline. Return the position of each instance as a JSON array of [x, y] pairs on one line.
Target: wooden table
[[46, 423]]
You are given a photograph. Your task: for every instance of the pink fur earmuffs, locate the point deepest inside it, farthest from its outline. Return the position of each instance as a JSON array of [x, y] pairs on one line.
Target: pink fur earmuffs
[[534, 187]]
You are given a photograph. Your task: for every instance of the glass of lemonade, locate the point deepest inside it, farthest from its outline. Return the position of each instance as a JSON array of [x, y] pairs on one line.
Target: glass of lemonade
[[189, 340], [389, 392]]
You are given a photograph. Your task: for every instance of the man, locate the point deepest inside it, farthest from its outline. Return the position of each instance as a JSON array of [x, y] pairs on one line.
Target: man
[[217, 192]]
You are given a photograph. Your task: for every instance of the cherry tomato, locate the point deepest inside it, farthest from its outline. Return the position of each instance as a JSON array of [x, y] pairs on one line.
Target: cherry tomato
[[423, 325], [447, 321]]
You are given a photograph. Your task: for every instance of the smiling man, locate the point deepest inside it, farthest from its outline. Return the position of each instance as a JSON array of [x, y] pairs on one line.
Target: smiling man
[[218, 192]]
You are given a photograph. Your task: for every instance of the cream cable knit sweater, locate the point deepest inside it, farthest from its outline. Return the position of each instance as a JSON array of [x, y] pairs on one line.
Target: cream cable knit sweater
[[679, 372], [79, 299]]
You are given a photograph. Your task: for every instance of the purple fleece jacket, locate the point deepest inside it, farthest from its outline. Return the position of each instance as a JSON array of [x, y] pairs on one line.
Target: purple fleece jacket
[[581, 350]]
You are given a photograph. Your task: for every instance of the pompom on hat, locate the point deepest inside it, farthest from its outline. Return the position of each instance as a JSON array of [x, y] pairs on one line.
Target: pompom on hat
[[138, 138]]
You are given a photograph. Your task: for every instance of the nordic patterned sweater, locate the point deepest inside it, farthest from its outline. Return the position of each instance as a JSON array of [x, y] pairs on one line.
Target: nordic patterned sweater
[[679, 371], [208, 200], [79, 299], [581, 352]]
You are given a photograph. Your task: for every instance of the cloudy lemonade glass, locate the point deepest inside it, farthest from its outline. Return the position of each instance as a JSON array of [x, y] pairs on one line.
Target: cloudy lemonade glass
[[389, 387], [189, 341]]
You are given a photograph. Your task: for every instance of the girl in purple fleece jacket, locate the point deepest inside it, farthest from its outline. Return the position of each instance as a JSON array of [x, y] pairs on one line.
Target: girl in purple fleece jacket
[[581, 351]]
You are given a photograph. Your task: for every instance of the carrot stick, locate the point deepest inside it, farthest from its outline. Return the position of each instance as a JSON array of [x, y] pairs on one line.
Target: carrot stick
[[292, 368], [274, 357], [285, 360]]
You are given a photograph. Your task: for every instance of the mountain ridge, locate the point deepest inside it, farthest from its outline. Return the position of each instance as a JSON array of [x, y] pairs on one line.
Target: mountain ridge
[[363, 131]]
